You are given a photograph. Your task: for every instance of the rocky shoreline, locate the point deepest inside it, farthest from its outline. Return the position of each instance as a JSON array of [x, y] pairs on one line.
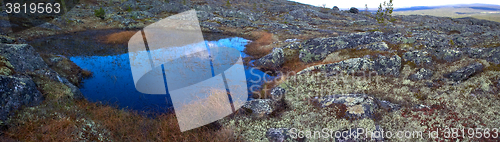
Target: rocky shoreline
[[341, 70]]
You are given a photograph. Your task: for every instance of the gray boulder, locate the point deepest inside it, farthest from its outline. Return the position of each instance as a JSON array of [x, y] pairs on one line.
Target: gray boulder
[[419, 57], [22, 57], [387, 65], [16, 91], [422, 73], [335, 8], [318, 48], [465, 72], [272, 60], [448, 55], [357, 105], [278, 135], [381, 64], [489, 54], [278, 93], [354, 10], [260, 107]]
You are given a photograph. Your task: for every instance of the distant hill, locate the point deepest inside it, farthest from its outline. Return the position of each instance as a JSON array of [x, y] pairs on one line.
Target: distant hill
[[481, 11], [488, 7]]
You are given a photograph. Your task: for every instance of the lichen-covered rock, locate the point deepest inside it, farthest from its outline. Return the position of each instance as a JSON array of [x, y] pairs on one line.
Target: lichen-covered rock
[[260, 107], [272, 60], [55, 77], [465, 72], [358, 105], [66, 68], [387, 65], [318, 48], [278, 134], [448, 55], [16, 91], [422, 73], [360, 23], [381, 64], [419, 57], [490, 54], [22, 57], [278, 93], [376, 46]]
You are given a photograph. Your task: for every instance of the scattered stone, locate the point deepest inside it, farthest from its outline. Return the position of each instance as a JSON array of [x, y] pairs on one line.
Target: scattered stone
[[16, 91], [376, 46], [465, 72], [381, 64], [318, 48], [421, 106], [22, 57], [418, 57], [51, 26], [489, 54], [278, 93], [272, 60], [422, 73], [260, 107], [448, 55], [354, 10], [387, 65], [278, 134], [358, 105]]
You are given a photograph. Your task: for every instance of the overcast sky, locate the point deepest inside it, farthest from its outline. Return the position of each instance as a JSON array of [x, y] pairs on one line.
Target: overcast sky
[[372, 4]]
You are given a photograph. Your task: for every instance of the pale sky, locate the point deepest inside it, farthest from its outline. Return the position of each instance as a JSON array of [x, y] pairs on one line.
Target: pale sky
[[373, 4]]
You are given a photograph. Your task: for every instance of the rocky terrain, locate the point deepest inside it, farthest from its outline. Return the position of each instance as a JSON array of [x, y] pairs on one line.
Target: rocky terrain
[[338, 70]]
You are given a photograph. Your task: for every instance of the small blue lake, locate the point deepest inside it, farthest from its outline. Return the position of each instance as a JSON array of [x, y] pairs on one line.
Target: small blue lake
[[112, 80]]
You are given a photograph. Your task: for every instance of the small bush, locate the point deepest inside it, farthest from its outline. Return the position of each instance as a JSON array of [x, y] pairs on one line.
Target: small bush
[[100, 13], [385, 11], [228, 4]]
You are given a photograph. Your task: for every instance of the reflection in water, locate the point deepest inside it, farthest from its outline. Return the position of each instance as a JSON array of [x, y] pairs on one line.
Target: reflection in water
[[112, 80]]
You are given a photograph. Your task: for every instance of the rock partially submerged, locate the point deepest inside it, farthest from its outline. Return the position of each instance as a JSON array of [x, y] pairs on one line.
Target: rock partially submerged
[[272, 60]]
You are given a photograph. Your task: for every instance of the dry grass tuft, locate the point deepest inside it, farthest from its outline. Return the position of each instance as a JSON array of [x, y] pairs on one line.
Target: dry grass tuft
[[119, 38], [260, 46]]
